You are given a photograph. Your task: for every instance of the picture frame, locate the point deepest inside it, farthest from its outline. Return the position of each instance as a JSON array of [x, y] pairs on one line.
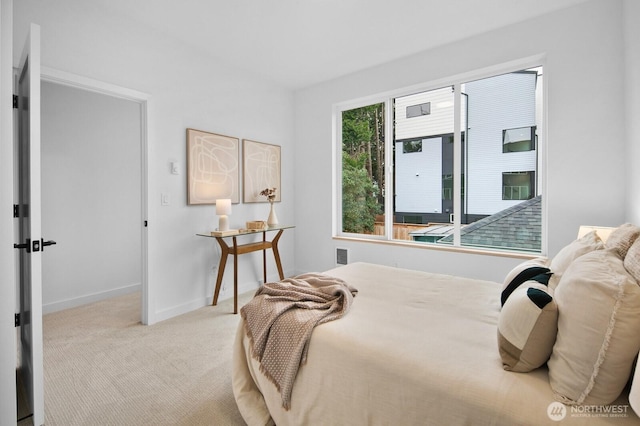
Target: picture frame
[[261, 169], [213, 167]]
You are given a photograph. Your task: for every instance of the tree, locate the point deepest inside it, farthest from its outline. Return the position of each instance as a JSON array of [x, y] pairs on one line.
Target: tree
[[359, 196], [362, 167]]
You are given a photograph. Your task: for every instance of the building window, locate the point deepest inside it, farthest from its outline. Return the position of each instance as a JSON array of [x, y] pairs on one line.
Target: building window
[[518, 185], [456, 178], [412, 146], [418, 110], [519, 139]]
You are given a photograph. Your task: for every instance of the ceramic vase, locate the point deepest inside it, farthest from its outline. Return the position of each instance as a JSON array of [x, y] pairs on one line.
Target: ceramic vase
[[273, 219]]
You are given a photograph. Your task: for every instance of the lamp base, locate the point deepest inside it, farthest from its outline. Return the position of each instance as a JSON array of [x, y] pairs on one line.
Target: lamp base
[[223, 223]]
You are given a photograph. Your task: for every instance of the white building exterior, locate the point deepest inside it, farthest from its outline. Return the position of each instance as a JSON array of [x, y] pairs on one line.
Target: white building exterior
[[499, 110]]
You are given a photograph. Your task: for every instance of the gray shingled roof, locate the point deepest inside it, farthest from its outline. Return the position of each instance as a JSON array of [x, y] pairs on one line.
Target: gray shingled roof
[[518, 227]]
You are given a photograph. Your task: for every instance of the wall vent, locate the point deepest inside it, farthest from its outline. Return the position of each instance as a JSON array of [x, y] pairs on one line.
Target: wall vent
[[342, 256]]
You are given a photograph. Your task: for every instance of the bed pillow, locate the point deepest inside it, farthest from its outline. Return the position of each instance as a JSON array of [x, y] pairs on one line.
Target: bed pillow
[[569, 253], [634, 391], [622, 238], [632, 260], [525, 271], [527, 328], [598, 325]]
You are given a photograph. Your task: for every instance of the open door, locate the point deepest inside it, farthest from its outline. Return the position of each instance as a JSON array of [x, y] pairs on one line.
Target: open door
[[30, 243]]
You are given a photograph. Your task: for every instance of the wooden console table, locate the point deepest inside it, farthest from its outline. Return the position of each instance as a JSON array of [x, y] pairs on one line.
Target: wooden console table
[[237, 249]]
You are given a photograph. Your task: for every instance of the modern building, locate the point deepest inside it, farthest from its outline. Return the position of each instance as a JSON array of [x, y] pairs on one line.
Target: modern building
[[499, 146]]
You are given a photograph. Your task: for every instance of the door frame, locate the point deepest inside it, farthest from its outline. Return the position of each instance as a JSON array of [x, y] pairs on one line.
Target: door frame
[[8, 413], [79, 82]]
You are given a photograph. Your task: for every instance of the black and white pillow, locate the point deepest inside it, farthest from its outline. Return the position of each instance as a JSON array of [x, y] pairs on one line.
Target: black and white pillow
[[531, 270], [527, 328]]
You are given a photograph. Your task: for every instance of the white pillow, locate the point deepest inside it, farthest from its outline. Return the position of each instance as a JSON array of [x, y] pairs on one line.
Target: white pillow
[[598, 330], [569, 253], [622, 238], [632, 260]]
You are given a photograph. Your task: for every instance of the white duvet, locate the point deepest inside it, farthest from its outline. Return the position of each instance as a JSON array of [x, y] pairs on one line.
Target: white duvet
[[415, 349]]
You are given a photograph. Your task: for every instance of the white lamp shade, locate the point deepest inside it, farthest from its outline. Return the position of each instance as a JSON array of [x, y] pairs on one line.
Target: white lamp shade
[[223, 206]]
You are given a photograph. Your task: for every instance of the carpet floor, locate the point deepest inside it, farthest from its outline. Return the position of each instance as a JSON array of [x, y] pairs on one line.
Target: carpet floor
[[103, 367]]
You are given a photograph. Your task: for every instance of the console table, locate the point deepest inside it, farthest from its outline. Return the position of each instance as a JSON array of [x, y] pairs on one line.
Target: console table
[[236, 250]]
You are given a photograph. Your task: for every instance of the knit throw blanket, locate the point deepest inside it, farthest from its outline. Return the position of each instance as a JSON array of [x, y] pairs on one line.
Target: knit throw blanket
[[280, 318]]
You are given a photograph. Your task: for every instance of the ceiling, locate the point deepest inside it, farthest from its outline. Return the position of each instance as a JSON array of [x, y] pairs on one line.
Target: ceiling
[[298, 43]]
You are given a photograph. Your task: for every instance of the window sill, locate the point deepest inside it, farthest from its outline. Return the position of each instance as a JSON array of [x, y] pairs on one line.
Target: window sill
[[465, 250]]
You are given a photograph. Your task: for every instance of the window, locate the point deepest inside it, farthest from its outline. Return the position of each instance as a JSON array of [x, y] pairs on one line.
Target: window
[[518, 140], [418, 110], [450, 181], [412, 146], [518, 185], [363, 178]]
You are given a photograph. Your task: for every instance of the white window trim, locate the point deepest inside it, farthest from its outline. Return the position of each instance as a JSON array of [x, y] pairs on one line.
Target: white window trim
[[387, 98]]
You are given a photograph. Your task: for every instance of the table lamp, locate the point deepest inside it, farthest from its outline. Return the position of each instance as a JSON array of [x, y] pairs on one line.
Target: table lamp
[[223, 208]]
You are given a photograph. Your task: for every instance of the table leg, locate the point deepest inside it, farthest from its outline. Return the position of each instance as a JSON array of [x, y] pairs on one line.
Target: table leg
[[276, 253], [264, 259], [223, 262], [235, 276]]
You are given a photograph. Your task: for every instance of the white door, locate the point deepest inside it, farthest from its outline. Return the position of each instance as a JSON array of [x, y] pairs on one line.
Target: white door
[[30, 242]]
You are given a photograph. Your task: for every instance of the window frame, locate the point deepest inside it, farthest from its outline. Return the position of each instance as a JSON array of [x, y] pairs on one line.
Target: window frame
[[456, 82]]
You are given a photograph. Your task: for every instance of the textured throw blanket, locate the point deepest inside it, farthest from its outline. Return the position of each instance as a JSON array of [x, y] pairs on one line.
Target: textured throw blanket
[[280, 318]]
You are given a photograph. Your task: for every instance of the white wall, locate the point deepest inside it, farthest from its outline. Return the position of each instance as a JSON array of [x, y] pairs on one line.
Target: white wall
[[586, 143], [187, 89], [631, 13], [91, 196]]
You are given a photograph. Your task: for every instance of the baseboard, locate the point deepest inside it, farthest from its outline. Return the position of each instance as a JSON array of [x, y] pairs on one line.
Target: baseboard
[[95, 297], [225, 294], [184, 308]]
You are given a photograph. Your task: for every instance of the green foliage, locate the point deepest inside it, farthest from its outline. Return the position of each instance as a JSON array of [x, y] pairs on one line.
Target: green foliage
[[362, 167], [357, 129], [359, 196]]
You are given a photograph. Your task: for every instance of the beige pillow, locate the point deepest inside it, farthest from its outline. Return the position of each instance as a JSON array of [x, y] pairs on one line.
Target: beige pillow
[[527, 328], [632, 260], [569, 253], [598, 339], [622, 238]]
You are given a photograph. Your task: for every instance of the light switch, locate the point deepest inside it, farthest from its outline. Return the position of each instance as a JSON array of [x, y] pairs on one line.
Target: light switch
[[175, 168], [164, 199]]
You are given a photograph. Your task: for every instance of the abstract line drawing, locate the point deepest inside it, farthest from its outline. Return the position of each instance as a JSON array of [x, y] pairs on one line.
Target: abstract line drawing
[[262, 170], [212, 167]]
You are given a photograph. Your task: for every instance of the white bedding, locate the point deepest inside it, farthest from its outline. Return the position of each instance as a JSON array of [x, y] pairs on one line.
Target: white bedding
[[415, 348]]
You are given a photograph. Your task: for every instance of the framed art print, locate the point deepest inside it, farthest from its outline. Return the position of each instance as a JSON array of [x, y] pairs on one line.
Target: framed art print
[[213, 170], [262, 170]]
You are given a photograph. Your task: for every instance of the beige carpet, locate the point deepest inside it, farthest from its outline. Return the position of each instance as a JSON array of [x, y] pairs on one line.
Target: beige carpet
[[102, 367]]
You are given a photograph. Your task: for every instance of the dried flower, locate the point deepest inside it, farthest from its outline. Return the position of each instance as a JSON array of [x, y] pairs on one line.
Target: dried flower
[[270, 193]]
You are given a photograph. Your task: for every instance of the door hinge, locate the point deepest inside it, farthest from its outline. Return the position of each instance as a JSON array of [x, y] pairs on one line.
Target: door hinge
[[16, 210], [146, 223], [15, 101], [17, 320]]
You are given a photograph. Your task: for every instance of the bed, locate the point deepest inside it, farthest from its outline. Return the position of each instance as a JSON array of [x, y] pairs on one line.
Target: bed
[[414, 348]]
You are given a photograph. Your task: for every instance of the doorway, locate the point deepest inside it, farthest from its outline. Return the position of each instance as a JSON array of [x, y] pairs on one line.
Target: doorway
[[91, 195], [94, 172]]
